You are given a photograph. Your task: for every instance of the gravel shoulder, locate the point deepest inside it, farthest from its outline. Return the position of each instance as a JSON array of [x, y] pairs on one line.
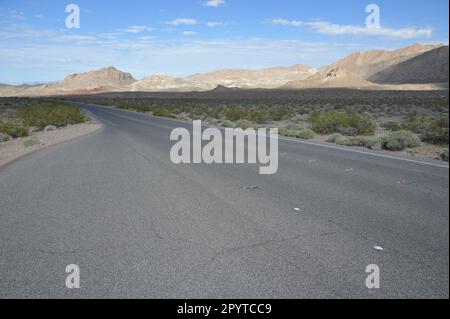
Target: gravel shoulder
[[14, 149]]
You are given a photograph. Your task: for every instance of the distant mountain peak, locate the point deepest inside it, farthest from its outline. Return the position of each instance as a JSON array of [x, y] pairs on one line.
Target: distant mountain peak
[[103, 78], [355, 70], [368, 63], [429, 67]]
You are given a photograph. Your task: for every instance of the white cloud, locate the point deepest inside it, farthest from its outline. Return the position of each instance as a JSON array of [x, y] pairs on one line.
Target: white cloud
[[189, 33], [12, 15], [182, 21], [30, 54], [214, 24], [137, 29], [292, 23], [148, 38], [214, 3], [76, 38], [15, 15], [51, 59], [328, 28]]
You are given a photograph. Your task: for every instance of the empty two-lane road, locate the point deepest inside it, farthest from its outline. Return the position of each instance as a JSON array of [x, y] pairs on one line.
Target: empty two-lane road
[[139, 226]]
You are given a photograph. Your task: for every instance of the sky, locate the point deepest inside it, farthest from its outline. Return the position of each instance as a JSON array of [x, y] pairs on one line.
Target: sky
[[183, 37]]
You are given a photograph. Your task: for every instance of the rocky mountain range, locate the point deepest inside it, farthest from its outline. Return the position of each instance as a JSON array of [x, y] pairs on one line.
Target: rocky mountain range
[[376, 69], [430, 67]]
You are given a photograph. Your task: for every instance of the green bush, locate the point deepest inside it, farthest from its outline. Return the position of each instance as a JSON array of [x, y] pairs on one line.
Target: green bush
[[161, 111], [259, 115], [59, 115], [392, 126], [332, 138], [400, 140], [416, 124], [141, 108], [287, 132], [14, 130], [4, 137], [344, 140], [305, 134], [333, 122], [364, 141], [226, 123], [280, 113], [244, 124], [31, 141], [437, 131], [235, 113], [374, 143]]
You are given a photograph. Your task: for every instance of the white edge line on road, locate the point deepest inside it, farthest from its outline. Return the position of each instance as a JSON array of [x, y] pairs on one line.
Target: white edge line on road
[[363, 152], [297, 141]]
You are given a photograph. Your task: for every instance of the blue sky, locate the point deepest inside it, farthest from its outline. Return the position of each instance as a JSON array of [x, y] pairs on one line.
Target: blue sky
[[189, 36]]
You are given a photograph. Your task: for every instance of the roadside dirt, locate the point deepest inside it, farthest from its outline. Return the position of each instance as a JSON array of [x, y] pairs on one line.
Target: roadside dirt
[[14, 149]]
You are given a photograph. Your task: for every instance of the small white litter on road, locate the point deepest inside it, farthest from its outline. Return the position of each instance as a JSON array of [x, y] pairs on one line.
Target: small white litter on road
[[297, 209], [249, 187], [378, 248]]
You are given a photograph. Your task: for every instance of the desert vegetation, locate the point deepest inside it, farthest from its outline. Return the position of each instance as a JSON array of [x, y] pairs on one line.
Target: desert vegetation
[[20, 116], [391, 120]]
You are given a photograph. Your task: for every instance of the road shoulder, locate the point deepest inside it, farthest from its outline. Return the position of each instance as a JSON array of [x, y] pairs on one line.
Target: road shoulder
[[13, 150]]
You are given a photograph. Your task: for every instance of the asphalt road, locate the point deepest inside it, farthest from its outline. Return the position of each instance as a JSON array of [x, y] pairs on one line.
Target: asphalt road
[[139, 226]]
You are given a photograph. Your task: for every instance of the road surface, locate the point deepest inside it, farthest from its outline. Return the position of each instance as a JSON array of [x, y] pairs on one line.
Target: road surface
[[139, 226]]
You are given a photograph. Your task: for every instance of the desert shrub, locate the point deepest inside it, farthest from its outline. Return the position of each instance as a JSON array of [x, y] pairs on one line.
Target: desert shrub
[[374, 143], [332, 138], [234, 113], [141, 108], [212, 112], [305, 134], [14, 130], [361, 123], [42, 115], [326, 122], [392, 126], [280, 113], [344, 140], [416, 124], [243, 124], [364, 141], [161, 111], [287, 132], [198, 113], [333, 122], [226, 123], [349, 131], [340, 139], [31, 141], [437, 131], [4, 137], [259, 115], [400, 140], [213, 122]]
